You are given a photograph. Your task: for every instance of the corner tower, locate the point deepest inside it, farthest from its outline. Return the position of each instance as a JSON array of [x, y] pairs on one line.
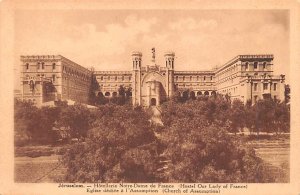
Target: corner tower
[[136, 77], [169, 60]]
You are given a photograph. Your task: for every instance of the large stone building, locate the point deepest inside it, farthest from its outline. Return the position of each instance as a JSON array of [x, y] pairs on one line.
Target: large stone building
[[53, 77], [245, 77]]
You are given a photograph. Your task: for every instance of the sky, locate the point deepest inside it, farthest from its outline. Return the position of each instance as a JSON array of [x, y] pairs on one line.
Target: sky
[[201, 39]]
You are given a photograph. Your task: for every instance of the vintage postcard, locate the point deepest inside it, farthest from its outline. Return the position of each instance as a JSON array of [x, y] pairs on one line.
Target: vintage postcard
[[150, 97]]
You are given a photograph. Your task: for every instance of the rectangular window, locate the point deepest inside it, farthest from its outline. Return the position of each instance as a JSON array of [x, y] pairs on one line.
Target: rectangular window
[[275, 86], [53, 78], [53, 66], [255, 65], [265, 86], [255, 87], [204, 78], [27, 66]]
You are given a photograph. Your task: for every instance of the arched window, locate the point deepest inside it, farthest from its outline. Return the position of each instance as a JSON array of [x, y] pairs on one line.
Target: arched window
[[107, 94], [185, 95], [199, 93], [206, 93], [192, 95]]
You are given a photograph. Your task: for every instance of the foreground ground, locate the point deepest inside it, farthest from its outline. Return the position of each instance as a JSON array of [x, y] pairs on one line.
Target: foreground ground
[[274, 152]]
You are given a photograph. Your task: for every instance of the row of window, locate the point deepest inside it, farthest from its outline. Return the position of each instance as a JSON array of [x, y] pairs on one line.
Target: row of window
[[40, 66], [183, 78], [75, 73], [112, 78], [41, 75], [255, 65], [265, 86], [171, 63], [198, 93], [228, 79], [228, 71], [114, 94], [229, 90], [255, 98]]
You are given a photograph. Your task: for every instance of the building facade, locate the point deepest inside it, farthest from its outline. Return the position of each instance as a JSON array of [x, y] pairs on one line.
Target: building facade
[[53, 77], [245, 77]]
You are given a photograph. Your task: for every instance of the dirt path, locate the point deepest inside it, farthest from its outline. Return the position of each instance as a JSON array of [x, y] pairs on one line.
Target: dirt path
[[156, 117], [36, 170]]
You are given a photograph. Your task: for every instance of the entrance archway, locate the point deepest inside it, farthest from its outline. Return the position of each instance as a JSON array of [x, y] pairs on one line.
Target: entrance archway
[[153, 102]]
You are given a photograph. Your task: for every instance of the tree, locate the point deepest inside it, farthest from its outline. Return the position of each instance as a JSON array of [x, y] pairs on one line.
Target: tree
[[121, 147], [237, 116], [268, 116], [176, 97], [94, 86], [199, 146], [101, 99], [281, 120], [287, 93], [35, 123], [76, 118], [250, 116], [122, 95]]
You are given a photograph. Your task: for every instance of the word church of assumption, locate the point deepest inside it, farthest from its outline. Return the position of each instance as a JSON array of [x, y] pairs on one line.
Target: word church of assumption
[[46, 78]]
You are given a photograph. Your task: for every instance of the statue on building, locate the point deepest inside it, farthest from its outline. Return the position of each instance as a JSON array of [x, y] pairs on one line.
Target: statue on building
[[153, 55]]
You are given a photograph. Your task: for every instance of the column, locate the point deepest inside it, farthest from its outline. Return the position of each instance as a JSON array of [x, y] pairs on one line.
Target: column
[[149, 93]]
